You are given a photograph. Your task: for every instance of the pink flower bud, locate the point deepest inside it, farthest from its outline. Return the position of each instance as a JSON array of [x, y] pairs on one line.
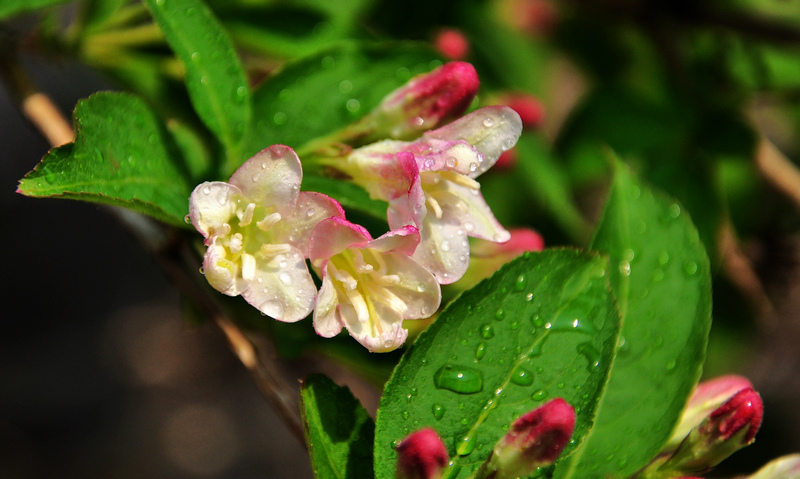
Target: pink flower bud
[[507, 160], [451, 43], [707, 396], [535, 440], [726, 430], [427, 101], [421, 455], [529, 108]]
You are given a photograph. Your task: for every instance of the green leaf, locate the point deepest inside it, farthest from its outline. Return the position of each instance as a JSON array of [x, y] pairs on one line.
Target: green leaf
[[660, 276], [122, 155], [214, 76], [9, 8], [542, 327], [339, 432], [325, 92]]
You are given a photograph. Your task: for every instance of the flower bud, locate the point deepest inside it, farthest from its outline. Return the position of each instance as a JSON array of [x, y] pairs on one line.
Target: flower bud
[[529, 108], [451, 43], [726, 430], [535, 440], [707, 396], [421, 455], [425, 102]]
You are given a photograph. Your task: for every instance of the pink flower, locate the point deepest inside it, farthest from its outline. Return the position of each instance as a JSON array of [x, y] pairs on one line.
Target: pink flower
[[369, 286], [535, 440], [530, 108], [421, 455], [256, 228], [786, 467], [451, 43], [429, 183]]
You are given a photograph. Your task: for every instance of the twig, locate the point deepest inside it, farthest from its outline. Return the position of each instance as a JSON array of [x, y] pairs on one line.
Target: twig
[[778, 170], [173, 255]]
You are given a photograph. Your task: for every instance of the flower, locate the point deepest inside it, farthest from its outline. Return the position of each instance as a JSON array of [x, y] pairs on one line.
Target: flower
[[488, 257], [256, 228], [786, 467], [535, 440], [425, 102], [429, 183], [369, 286], [421, 455]]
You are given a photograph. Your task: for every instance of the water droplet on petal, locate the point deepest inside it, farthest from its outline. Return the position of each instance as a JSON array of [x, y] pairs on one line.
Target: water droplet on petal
[[285, 279], [488, 122], [450, 162]]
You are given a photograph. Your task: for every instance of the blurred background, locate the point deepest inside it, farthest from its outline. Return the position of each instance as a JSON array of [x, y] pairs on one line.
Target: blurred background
[[103, 377]]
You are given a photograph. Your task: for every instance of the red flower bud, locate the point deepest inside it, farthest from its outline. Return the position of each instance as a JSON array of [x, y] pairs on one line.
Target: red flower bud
[[726, 430], [529, 108], [451, 43], [535, 440], [507, 160], [421, 455], [427, 101]]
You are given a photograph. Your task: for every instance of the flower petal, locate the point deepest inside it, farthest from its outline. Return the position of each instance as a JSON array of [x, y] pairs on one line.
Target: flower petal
[[334, 235], [282, 287], [393, 333], [326, 316], [385, 169], [417, 288], [491, 130], [443, 249], [271, 177], [311, 209], [211, 205], [466, 206], [221, 273], [404, 239]]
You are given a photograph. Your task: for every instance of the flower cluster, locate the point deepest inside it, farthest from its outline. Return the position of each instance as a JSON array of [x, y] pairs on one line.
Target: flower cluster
[[260, 229]]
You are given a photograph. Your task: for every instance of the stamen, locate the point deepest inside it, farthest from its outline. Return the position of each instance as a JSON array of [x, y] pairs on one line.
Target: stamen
[[247, 215], [388, 280], [362, 311], [269, 250], [437, 210], [388, 298], [361, 265], [248, 267], [235, 244], [348, 282], [269, 221], [462, 180]]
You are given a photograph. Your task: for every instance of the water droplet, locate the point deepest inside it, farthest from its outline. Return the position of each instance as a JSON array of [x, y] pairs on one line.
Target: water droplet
[[187, 219], [466, 445], [674, 210], [519, 285], [285, 279], [196, 57], [488, 122], [670, 365], [438, 411], [537, 321], [521, 377], [450, 162], [658, 275], [539, 395], [405, 414], [459, 379], [690, 268], [473, 166], [624, 268], [499, 314], [480, 351], [202, 271], [346, 86], [279, 118], [628, 255], [328, 62], [514, 325], [419, 121], [445, 246], [663, 258], [352, 105], [590, 353], [487, 331]]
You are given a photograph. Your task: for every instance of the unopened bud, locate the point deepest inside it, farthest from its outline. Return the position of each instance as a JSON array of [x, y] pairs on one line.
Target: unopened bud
[[707, 396], [726, 430], [507, 160], [535, 440], [426, 102], [451, 43], [421, 455], [530, 108]]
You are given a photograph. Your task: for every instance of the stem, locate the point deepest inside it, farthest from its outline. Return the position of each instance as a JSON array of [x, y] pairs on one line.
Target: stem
[[173, 254], [778, 170]]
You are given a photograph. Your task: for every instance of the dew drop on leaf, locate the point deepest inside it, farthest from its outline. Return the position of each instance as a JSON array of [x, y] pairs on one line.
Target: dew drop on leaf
[[466, 445], [521, 377], [519, 285], [487, 331], [480, 351], [539, 395], [438, 411], [500, 314], [459, 379]]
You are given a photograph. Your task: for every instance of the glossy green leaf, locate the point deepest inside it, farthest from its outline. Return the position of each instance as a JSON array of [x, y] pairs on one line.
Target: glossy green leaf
[[542, 327], [122, 155], [339, 432], [214, 76], [9, 8], [660, 276]]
